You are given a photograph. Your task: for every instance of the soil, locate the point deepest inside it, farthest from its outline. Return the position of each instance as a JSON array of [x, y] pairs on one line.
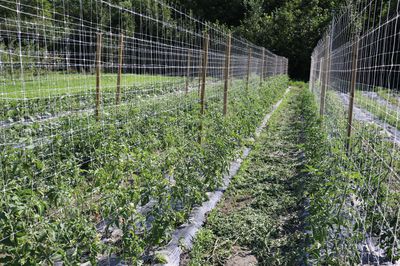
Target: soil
[[241, 257]]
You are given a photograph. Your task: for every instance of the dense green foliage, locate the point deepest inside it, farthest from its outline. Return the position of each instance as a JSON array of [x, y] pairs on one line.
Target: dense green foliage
[[290, 28], [263, 212], [79, 197], [355, 194]]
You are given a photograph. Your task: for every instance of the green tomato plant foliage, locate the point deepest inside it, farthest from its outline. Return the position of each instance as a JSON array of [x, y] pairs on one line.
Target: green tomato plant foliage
[[76, 189]]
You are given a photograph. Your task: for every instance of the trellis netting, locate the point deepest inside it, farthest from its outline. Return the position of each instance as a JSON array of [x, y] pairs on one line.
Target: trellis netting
[[116, 118], [355, 79]]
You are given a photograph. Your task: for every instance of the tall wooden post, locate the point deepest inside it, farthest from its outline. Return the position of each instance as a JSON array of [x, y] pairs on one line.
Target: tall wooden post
[[98, 72], [287, 66], [262, 66], [283, 66], [248, 68], [120, 62], [352, 92], [324, 74], [232, 67], [11, 65], [329, 58], [203, 82], [204, 73], [280, 66], [226, 72], [321, 63], [311, 74], [200, 73], [189, 55]]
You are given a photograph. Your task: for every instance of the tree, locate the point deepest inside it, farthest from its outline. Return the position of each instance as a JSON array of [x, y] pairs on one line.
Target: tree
[[290, 28]]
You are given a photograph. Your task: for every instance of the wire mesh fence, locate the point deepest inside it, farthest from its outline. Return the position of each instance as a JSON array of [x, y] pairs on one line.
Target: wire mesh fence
[[115, 120], [355, 78]]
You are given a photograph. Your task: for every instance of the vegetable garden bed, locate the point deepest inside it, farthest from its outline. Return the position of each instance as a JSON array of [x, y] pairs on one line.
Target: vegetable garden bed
[[58, 190]]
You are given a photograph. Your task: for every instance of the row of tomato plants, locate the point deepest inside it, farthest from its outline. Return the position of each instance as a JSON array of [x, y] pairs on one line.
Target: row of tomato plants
[[77, 196], [354, 194], [33, 109]]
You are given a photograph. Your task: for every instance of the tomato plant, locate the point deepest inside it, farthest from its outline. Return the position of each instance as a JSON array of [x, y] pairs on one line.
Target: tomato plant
[[76, 189]]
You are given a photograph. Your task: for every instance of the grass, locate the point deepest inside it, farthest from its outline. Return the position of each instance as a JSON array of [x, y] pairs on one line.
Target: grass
[[260, 218], [53, 84]]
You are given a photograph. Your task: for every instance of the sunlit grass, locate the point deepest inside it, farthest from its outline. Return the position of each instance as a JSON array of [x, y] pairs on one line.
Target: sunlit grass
[[54, 84]]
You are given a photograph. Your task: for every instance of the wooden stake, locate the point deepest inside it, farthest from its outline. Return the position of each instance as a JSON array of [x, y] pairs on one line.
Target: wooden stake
[[280, 66], [200, 73], [324, 78], [321, 63], [262, 66], [11, 65], [231, 71], [98, 72], [248, 69], [203, 82], [120, 62], [189, 55], [286, 67], [329, 58], [204, 73], [226, 73], [352, 92], [311, 74]]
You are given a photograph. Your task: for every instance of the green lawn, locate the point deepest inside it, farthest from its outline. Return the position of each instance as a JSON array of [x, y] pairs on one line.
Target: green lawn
[[59, 84]]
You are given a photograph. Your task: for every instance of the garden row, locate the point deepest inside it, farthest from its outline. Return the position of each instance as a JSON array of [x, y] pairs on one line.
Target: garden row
[[355, 206], [302, 197], [57, 94], [262, 219], [120, 186]]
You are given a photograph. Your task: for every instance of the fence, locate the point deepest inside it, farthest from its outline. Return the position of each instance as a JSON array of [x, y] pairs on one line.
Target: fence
[[99, 122], [355, 78]]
